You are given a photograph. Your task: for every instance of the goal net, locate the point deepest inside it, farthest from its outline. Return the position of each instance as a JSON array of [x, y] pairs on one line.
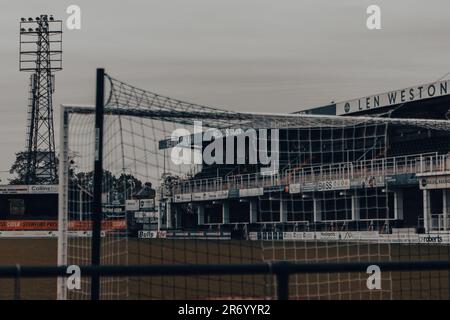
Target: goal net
[[184, 183]]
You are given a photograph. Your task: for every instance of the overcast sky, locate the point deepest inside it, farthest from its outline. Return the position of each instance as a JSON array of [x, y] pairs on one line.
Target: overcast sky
[[249, 55]]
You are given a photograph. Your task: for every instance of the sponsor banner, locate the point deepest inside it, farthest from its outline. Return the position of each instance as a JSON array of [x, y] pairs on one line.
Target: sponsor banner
[[146, 214], [29, 189], [434, 182], [31, 225], [199, 196], [333, 185], [143, 204], [325, 185], [404, 230], [46, 234], [338, 235], [269, 236], [171, 234], [144, 220], [43, 189], [107, 225], [397, 238], [146, 217], [328, 236], [214, 195], [28, 234], [146, 234], [294, 188], [147, 225], [52, 225], [132, 205], [402, 179], [368, 182], [279, 188], [233, 193], [298, 235], [223, 194], [83, 234], [185, 197], [434, 238], [363, 236], [13, 189], [308, 187], [113, 209], [198, 235], [147, 204], [252, 192], [416, 93]]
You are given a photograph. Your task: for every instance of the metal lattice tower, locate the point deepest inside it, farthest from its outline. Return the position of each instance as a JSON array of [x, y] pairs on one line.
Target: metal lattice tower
[[41, 54]]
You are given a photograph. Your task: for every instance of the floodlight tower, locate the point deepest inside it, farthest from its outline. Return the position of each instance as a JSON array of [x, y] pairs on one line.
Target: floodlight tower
[[41, 54]]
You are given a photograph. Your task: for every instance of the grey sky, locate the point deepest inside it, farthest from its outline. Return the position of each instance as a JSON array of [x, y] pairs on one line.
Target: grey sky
[[252, 55]]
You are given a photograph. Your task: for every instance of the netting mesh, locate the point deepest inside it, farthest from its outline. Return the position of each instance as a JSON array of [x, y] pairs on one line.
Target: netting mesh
[[184, 183]]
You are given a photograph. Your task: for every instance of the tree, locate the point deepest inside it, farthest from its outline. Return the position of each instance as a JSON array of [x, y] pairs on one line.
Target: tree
[[19, 168], [119, 188]]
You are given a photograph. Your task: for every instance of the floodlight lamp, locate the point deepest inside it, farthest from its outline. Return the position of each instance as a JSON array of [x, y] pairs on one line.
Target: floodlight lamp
[[30, 19]]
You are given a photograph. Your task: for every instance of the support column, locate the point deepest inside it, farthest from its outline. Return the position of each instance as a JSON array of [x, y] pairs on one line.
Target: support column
[[177, 214], [446, 208], [355, 208], [200, 214], [283, 211], [253, 210], [169, 220], [398, 205], [426, 211], [317, 207], [226, 212]]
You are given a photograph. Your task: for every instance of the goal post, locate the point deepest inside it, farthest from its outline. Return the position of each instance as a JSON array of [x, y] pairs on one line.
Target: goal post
[[62, 201], [139, 195], [64, 168]]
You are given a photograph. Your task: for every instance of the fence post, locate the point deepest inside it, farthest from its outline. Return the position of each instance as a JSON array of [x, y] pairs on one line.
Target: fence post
[[283, 286], [98, 175], [17, 283], [281, 271]]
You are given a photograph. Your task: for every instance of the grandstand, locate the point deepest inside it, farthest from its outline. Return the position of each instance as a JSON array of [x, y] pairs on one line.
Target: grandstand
[[367, 176]]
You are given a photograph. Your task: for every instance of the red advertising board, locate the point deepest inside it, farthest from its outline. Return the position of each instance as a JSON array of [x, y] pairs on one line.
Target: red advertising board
[[52, 225]]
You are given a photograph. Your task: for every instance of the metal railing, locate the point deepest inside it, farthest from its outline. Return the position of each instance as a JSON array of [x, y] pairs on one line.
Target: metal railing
[[437, 222], [200, 185], [421, 163], [281, 270]]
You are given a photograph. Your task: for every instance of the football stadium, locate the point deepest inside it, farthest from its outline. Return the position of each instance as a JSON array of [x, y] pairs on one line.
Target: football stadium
[[138, 195], [337, 183], [351, 184]]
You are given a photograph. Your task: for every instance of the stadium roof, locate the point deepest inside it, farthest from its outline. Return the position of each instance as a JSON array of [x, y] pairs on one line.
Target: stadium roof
[[383, 102]]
